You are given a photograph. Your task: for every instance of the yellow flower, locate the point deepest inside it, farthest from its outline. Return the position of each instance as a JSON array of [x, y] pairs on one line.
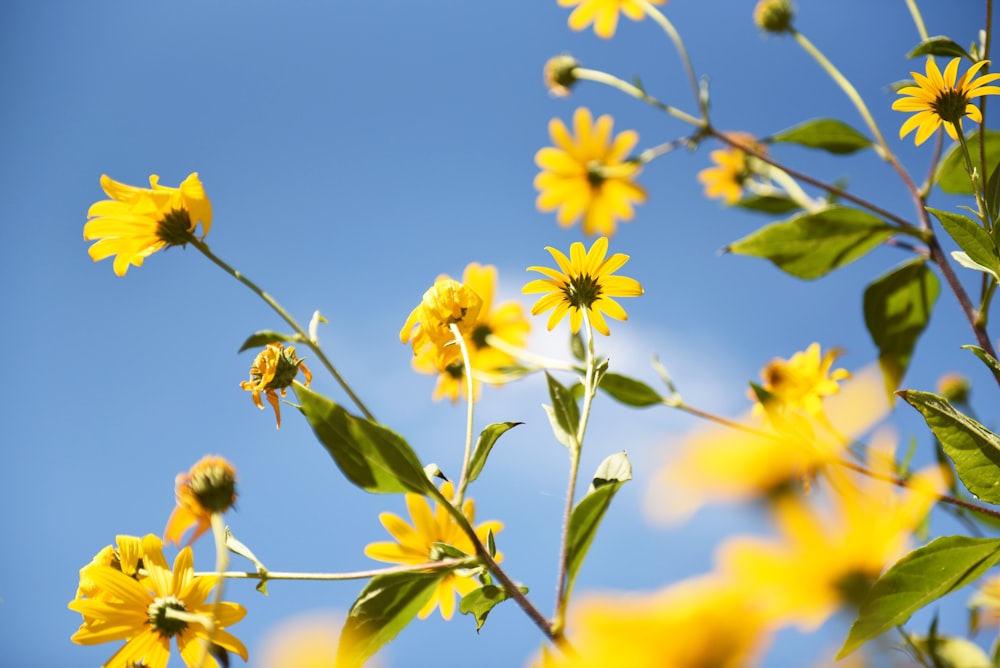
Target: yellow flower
[[940, 99], [725, 181], [584, 282], [273, 370], [209, 487], [137, 222], [695, 623], [124, 556], [559, 74], [446, 303], [142, 612], [589, 175], [415, 545], [506, 322], [801, 383], [604, 14]]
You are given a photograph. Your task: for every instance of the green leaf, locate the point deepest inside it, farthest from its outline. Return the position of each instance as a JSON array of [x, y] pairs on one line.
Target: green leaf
[[952, 652], [612, 473], [897, 308], [371, 456], [481, 601], [768, 204], [814, 244], [487, 438], [629, 391], [973, 448], [564, 414], [971, 238], [383, 608], [951, 174], [993, 194], [237, 547], [825, 133], [939, 45], [987, 359], [919, 578], [963, 259], [266, 336]]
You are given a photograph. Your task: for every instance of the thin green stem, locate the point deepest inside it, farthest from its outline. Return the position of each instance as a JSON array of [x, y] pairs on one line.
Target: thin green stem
[[675, 37], [524, 355], [277, 308], [463, 480], [610, 80], [976, 179], [221, 564], [351, 575], [918, 20]]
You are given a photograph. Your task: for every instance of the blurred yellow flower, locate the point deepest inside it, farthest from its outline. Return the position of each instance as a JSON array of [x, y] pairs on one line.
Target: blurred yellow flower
[[589, 175], [137, 222], [209, 487], [726, 179], [801, 382], [604, 14], [428, 326], [415, 545], [506, 322], [939, 99], [272, 371], [124, 556], [585, 281], [150, 611], [985, 603], [695, 623]]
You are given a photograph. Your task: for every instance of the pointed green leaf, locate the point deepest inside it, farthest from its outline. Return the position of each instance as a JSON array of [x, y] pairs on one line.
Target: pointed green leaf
[[481, 602], [814, 244], [371, 456], [970, 237], [264, 337], [564, 414], [987, 359], [487, 438], [629, 391], [920, 578], [768, 204], [973, 448], [951, 174], [952, 652], [963, 259], [939, 45], [992, 194], [825, 133], [612, 473], [897, 308], [383, 608]]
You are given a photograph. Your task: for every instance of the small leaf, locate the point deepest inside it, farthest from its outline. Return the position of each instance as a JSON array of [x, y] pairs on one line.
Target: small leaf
[[768, 204], [383, 608], [264, 337], [629, 391], [825, 133], [897, 309], [987, 359], [481, 601], [920, 578], [814, 244], [973, 448], [970, 237], [939, 45], [564, 414], [371, 456], [993, 195], [237, 547], [951, 175], [963, 259], [952, 652], [487, 438]]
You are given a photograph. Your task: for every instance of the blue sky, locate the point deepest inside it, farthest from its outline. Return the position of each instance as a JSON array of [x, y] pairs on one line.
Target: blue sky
[[353, 151]]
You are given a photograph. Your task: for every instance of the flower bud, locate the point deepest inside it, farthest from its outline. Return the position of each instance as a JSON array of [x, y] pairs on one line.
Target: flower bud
[[560, 74], [774, 15]]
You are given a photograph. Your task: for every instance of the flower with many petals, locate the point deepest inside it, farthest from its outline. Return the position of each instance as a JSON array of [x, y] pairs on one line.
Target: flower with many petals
[[208, 488], [415, 544], [137, 222], [428, 326], [604, 14], [584, 282], [801, 382], [726, 179], [939, 99], [150, 610], [589, 175], [272, 371]]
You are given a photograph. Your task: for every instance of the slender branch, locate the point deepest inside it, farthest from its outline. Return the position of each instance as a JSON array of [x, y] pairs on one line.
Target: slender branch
[[463, 480], [675, 37], [352, 575]]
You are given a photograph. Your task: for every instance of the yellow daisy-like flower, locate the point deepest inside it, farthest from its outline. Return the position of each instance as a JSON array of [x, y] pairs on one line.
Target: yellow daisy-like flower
[[506, 322], [604, 14], [801, 383], [584, 282], [588, 175], [209, 487], [272, 371], [125, 556], [726, 179], [446, 303], [148, 612], [939, 99], [415, 545], [137, 222]]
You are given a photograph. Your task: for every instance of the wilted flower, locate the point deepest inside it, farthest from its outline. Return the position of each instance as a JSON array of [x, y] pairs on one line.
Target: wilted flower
[[209, 487], [273, 370]]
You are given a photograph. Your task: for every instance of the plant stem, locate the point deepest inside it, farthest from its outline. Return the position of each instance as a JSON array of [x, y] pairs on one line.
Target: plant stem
[[353, 575], [675, 37], [221, 564], [463, 480], [610, 80]]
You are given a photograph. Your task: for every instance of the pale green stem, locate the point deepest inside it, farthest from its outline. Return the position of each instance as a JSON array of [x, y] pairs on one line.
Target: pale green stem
[[918, 20], [654, 152], [975, 178], [463, 481], [675, 37], [303, 336], [793, 189], [351, 575], [517, 352], [610, 80], [221, 564]]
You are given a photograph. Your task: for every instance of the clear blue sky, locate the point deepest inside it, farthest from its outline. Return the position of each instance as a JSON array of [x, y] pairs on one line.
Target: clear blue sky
[[352, 152]]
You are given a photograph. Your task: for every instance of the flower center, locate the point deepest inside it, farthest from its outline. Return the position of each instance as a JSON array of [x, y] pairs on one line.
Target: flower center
[[595, 173], [479, 335], [175, 227], [582, 291], [214, 487], [950, 106], [455, 370], [161, 621]]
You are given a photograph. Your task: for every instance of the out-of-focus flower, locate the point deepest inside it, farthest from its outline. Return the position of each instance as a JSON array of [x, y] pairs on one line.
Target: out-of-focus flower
[[137, 222], [588, 175], [726, 179], [415, 544], [603, 14], [559, 74], [307, 640], [801, 382], [954, 387], [272, 371], [584, 281], [939, 99], [824, 560], [142, 612], [428, 326], [774, 15], [985, 603], [506, 322], [209, 487], [704, 621]]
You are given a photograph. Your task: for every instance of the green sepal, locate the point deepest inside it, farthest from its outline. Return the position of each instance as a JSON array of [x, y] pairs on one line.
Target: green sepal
[[971, 238], [768, 204], [825, 133], [974, 449], [897, 309], [629, 391], [939, 45], [266, 336], [370, 455], [988, 360], [481, 602], [813, 244], [919, 578], [951, 175], [611, 474], [484, 444], [448, 551], [564, 414], [383, 608]]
